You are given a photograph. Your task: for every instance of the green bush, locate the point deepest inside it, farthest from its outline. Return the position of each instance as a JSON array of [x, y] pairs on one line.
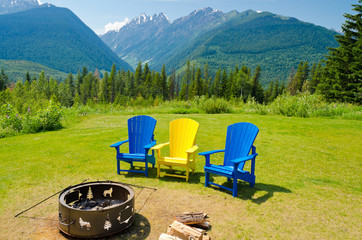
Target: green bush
[[42, 120], [216, 105]]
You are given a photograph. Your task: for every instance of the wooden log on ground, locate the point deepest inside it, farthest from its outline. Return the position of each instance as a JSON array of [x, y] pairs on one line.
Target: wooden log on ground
[[185, 232], [204, 225], [165, 236], [191, 217]]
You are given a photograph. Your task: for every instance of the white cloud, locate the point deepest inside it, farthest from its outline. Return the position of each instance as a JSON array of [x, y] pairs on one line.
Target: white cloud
[[115, 26]]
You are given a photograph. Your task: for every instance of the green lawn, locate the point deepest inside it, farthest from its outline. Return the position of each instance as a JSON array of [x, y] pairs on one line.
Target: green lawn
[[308, 178]]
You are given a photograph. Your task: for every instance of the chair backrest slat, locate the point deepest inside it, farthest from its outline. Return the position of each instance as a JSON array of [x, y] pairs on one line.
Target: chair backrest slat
[[182, 136], [140, 132], [240, 138]]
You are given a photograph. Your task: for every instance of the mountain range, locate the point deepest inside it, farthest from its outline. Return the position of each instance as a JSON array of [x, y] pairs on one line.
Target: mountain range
[[223, 40], [56, 38], [11, 6]]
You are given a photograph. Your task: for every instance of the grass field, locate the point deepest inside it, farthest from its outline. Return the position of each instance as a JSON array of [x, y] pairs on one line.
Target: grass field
[[308, 178]]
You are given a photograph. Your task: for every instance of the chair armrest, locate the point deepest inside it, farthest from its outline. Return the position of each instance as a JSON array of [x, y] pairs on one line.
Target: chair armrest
[[192, 150], [207, 155], [244, 159], [148, 146], [159, 146], [118, 143], [211, 152]]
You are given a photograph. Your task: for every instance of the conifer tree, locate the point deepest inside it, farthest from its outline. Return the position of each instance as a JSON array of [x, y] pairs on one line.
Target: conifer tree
[[138, 78], [244, 82], [206, 81], [68, 91], [103, 89], [269, 92], [86, 87], [172, 85], [156, 84], [3, 80], [185, 83], [256, 89], [119, 84], [343, 71], [224, 84], [78, 82], [216, 85], [111, 84], [27, 77], [316, 75], [163, 83], [84, 71], [276, 90], [197, 86]]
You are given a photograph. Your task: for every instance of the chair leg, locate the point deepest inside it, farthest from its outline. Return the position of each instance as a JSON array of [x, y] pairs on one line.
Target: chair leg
[[158, 170], [229, 179], [187, 174], [146, 169], [118, 167], [207, 179], [235, 187]]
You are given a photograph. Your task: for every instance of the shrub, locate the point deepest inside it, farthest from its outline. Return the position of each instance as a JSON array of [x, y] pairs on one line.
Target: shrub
[[216, 105], [43, 120]]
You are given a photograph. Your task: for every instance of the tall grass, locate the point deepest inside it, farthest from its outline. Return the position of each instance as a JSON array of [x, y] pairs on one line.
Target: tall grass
[[302, 105]]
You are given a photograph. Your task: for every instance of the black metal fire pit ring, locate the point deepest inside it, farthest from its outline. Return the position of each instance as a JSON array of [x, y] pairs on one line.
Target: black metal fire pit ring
[[91, 223]]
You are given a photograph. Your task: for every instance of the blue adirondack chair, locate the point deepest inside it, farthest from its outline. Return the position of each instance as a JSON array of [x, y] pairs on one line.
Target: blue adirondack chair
[[239, 141], [140, 140]]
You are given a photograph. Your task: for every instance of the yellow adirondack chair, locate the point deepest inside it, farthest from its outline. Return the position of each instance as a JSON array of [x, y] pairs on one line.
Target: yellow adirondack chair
[[182, 147]]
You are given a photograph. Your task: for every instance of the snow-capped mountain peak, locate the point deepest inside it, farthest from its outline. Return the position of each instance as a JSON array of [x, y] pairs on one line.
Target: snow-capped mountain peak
[[11, 6], [206, 10], [157, 19]]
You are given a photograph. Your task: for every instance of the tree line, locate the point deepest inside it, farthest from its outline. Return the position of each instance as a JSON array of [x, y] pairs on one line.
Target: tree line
[[121, 87]]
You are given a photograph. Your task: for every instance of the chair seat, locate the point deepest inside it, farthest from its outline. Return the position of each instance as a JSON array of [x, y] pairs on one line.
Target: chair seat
[[174, 161], [227, 171], [131, 156]]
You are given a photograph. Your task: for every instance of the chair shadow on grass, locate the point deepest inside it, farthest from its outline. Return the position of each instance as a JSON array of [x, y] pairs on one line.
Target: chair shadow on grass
[[258, 194], [140, 229], [194, 178]]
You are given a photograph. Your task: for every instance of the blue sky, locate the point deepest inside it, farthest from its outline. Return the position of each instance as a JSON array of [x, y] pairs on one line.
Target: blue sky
[[98, 13]]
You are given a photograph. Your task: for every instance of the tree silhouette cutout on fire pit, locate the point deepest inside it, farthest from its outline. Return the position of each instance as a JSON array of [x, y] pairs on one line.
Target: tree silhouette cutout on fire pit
[[107, 224], [90, 194]]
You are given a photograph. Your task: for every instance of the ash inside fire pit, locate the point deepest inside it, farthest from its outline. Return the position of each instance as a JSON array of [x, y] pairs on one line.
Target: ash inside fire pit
[[98, 204], [96, 209]]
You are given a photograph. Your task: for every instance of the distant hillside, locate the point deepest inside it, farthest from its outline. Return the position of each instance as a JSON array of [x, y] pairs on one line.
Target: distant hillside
[[56, 38], [222, 40], [274, 42], [17, 69]]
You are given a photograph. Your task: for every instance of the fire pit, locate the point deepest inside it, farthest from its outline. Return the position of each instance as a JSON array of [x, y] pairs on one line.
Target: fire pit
[[96, 209]]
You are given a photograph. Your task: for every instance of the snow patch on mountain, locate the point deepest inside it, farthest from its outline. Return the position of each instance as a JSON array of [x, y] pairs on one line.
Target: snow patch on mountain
[[139, 20], [11, 6]]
